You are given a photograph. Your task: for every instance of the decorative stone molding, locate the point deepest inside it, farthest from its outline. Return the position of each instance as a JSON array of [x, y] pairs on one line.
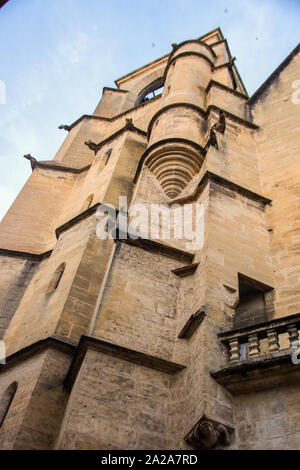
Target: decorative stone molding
[[185, 271], [231, 296], [208, 433], [65, 127], [174, 164], [33, 161]]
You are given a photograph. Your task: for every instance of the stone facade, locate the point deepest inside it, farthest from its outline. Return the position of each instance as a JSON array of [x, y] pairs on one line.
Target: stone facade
[[145, 343]]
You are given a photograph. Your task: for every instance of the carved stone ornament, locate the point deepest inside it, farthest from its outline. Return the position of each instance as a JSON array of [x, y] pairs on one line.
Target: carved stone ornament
[[33, 161], [65, 127], [129, 124], [208, 433], [92, 146]]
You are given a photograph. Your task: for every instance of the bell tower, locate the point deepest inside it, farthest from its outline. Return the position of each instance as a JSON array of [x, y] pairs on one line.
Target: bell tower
[[120, 342]]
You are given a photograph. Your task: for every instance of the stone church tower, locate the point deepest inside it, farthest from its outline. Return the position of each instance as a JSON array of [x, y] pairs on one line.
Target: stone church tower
[[144, 343]]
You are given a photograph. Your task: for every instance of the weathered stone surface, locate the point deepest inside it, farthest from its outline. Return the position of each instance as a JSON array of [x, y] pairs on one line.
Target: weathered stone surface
[[128, 295]]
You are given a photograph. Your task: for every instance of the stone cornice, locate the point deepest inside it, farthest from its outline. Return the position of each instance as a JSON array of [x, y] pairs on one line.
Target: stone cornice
[[79, 351], [216, 30], [52, 341], [117, 134], [125, 354], [186, 54], [117, 90], [213, 83], [143, 67], [188, 41], [76, 220], [201, 111], [114, 118], [154, 246], [25, 255], [52, 166], [213, 177]]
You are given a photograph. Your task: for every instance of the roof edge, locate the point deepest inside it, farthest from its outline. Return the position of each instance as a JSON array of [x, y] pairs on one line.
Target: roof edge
[[274, 75]]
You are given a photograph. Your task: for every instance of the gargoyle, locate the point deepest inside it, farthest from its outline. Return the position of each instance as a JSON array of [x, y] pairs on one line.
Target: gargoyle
[[33, 161], [219, 126], [92, 146], [174, 46], [230, 68], [212, 140], [65, 127], [129, 125], [208, 433]]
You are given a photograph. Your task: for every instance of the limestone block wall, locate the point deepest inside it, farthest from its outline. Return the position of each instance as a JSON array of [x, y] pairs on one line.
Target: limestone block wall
[[138, 309], [278, 141], [268, 419], [39, 312], [115, 404], [129, 296], [16, 275], [30, 223], [35, 414], [73, 152]]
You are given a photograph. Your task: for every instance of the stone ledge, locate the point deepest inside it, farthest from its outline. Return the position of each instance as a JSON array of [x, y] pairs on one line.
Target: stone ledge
[[131, 355], [116, 134], [186, 54], [159, 248], [198, 41], [185, 271], [213, 83], [75, 220], [52, 341], [25, 255], [192, 324], [51, 165], [201, 111], [261, 373], [213, 177], [114, 118]]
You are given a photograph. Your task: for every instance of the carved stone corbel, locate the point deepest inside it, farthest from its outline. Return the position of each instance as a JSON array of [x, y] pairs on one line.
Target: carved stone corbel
[[208, 433]]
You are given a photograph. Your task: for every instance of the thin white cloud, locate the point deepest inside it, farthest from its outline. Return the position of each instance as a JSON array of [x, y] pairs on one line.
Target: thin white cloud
[[74, 48]]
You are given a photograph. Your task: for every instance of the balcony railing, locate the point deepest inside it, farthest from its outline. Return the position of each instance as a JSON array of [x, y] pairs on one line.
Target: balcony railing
[[245, 343]]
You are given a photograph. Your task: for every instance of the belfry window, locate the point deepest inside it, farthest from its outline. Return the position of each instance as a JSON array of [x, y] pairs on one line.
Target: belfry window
[[151, 91]]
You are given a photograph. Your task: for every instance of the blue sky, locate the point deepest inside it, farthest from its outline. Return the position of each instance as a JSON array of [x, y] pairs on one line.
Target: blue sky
[[56, 56]]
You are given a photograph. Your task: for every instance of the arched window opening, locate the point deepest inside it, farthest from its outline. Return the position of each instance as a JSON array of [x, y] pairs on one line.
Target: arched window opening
[[88, 202], [151, 91], [107, 155], [56, 278], [6, 401]]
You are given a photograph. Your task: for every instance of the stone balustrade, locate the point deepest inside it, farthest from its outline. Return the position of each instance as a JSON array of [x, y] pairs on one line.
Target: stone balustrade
[[245, 343]]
